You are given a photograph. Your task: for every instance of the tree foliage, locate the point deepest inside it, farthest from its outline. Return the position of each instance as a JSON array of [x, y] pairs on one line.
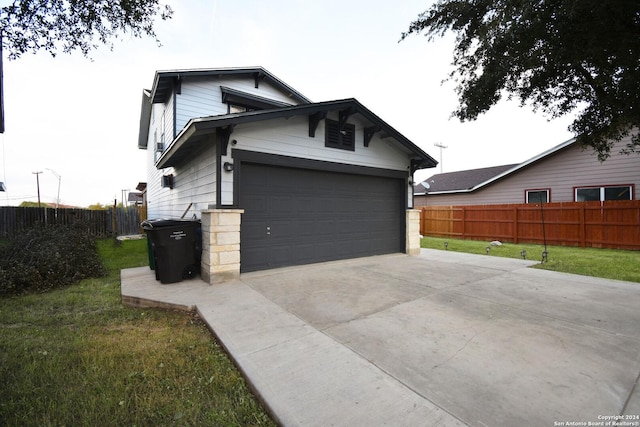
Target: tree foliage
[[559, 56], [98, 207], [68, 25]]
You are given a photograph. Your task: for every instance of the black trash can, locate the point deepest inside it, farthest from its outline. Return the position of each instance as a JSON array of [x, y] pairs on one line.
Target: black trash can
[[175, 248]]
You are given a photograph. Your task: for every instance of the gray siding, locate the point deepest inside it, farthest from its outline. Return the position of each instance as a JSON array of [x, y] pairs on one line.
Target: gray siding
[[560, 172], [202, 96]]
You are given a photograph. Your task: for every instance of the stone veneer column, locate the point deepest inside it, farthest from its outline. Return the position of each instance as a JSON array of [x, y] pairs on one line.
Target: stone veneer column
[[220, 245], [413, 232]]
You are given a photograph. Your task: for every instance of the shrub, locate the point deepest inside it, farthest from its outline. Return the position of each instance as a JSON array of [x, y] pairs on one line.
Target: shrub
[[45, 257]]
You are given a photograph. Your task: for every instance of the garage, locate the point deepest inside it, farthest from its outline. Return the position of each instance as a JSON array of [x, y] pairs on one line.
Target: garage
[[297, 215]]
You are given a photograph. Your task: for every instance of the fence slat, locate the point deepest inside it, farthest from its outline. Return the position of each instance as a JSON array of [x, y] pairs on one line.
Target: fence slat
[[14, 219], [611, 224]]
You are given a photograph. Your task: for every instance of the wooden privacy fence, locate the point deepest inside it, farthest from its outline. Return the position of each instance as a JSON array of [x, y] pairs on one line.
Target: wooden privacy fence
[[99, 222], [613, 224]]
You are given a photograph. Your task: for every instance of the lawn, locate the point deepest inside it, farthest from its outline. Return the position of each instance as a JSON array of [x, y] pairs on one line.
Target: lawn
[[605, 263], [77, 356]]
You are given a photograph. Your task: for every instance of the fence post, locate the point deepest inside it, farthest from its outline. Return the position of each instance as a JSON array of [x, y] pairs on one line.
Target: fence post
[[515, 224], [583, 226], [114, 221], [464, 225]]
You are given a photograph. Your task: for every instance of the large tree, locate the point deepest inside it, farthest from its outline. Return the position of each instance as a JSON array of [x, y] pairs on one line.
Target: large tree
[[558, 56], [68, 25]]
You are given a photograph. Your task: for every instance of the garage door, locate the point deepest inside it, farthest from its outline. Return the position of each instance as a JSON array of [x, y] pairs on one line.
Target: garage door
[[300, 216]]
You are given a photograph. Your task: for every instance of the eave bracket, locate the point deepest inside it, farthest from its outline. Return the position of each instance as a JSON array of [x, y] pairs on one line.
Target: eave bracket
[[257, 78], [223, 135], [368, 134], [314, 121], [343, 116]]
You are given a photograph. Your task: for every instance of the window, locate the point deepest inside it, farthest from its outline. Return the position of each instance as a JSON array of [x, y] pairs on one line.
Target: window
[[335, 137], [537, 196], [158, 146], [240, 102], [618, 192], [233, 108]]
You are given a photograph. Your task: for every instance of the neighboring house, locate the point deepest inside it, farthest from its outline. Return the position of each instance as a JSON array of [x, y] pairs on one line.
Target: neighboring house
[[142, 188], [135, 198], [565, 173], [311, 181]]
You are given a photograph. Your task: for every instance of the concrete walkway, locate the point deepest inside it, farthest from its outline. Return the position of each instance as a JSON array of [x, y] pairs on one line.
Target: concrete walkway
[[442, 338]]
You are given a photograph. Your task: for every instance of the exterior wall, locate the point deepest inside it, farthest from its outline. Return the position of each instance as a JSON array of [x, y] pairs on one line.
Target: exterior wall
[[196, 182], [561, 173], [202, 97], [161, 122], [290, 137]]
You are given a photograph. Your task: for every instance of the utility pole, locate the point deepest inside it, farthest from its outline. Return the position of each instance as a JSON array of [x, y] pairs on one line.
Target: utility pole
[[37, 174], [124, 206], [440, 146], [59, 181]]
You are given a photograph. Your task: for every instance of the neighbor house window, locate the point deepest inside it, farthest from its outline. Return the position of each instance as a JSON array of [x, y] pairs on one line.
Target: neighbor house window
[[598, 194], [537, 196], [335, 137]]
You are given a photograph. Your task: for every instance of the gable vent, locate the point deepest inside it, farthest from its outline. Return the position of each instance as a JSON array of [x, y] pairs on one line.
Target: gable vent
[[343, 139]]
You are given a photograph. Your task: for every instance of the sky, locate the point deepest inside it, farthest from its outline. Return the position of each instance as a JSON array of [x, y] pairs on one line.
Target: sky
[[76, 120]]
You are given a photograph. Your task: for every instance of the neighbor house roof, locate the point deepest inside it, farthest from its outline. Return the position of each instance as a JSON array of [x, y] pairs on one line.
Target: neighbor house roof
[[199, 129], [460, 180], [135, 197], [468, 181]]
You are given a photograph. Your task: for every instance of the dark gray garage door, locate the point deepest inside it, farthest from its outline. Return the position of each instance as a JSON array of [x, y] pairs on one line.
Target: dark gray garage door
[[301, 216]]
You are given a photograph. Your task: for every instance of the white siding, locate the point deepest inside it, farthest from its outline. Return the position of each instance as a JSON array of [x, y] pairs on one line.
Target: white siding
[[171, 203], [202, 97], [195, 182], [560, 172], [290, 137]]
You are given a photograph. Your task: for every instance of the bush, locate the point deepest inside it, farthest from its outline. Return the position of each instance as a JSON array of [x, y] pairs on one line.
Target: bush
[[47, 257]]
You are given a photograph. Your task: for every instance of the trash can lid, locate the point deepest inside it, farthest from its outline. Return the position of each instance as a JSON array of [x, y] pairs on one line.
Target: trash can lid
[[150, 224]]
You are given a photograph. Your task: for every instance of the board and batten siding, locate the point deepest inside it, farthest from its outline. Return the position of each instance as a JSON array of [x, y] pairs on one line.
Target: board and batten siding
[[560, 172]]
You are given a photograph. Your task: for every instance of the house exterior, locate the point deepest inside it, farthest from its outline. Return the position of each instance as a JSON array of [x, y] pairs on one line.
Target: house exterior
[[565, 173], [276, 179]]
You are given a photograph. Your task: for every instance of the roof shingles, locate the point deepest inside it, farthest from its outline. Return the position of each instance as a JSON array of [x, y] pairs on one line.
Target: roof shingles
[[461, 180]]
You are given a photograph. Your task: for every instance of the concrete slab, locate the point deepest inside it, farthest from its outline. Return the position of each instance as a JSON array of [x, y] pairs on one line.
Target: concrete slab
[[439, 339], [490, 364]]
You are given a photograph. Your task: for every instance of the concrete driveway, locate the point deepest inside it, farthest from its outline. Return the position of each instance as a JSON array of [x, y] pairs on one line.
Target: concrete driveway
[[438, 339]]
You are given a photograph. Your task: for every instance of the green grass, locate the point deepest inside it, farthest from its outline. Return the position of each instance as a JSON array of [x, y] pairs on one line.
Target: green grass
[[605, 263], [76, 356]]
